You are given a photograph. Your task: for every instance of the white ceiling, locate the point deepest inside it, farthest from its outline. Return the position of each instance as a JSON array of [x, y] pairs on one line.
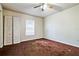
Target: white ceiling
[[28, 8]]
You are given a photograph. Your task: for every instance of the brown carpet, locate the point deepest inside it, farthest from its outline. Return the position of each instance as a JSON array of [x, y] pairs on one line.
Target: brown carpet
[[39, 47]]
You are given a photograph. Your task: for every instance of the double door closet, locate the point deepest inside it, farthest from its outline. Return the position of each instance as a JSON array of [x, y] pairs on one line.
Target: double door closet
[[11, 30]]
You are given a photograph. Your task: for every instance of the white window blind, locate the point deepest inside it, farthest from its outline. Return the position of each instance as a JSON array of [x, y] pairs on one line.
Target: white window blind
[[30, 27]]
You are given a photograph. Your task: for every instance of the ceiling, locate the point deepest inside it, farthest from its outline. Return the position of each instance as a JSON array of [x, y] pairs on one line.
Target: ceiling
[[28, 8]]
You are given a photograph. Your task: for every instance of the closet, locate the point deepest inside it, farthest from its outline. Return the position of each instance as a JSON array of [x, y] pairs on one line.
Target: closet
[[1, 27], [11, 30]]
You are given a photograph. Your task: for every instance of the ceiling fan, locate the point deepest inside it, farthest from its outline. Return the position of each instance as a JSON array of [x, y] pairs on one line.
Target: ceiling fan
[[43, 6]]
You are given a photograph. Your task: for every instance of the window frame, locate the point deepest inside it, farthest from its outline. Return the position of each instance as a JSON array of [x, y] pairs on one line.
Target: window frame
[[26, 27]]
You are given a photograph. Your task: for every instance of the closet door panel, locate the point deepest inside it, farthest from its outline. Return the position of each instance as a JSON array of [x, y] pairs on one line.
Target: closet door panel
[[16, 29], [1, 29], [8, 30]]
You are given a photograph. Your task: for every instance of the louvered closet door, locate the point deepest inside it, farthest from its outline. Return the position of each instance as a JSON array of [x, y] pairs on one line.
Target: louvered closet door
[[16, 29], [7, 30], [12, 30], [1, 29]]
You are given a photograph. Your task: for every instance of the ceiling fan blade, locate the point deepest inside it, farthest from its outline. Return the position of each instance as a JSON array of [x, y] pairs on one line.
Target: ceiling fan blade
[[37, 6], [52, 6], [57, 7]]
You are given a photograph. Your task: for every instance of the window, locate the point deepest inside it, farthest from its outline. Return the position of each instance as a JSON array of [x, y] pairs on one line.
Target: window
[[30, 27]]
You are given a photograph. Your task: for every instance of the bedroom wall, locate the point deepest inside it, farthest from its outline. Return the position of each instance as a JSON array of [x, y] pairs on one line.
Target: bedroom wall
[[23, 18], [63, 26], [1, 27]]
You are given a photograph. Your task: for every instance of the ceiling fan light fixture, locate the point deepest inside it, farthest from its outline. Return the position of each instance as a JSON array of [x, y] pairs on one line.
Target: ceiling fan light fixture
[[45, 6]]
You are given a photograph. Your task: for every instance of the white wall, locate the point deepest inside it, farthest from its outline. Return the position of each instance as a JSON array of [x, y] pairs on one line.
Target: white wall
[[1, 27], [63, 26], [24, 17]]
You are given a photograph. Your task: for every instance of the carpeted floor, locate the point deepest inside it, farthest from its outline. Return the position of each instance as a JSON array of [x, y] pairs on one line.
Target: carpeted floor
[[39, 47]]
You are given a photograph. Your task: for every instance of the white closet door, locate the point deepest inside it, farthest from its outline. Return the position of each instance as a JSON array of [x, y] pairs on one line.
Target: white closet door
[[8, 30], [16, 29], [1, 29]]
